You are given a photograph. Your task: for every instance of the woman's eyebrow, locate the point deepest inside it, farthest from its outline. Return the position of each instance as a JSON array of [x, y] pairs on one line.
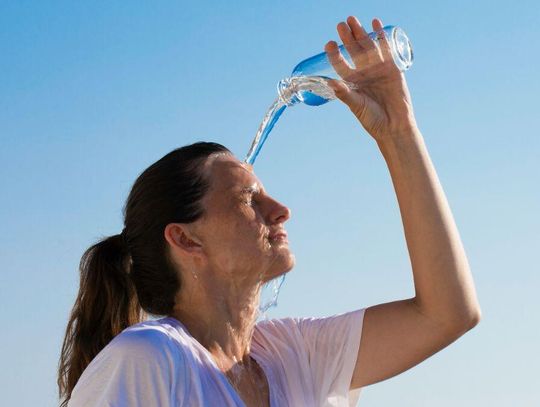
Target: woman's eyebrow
[[254, 188]]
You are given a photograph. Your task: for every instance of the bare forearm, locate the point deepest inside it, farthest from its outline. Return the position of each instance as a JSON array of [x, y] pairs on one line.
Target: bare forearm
[[443, 282]]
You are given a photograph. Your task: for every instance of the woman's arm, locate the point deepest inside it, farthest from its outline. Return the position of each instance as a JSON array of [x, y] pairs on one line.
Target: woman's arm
[[401, 334], [443, 282]]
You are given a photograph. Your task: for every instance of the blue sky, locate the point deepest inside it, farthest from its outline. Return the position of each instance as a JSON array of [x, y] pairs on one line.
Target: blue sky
[[91, 94]]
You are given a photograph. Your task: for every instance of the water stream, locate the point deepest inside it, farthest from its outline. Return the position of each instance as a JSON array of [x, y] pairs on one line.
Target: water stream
[[310, 90]]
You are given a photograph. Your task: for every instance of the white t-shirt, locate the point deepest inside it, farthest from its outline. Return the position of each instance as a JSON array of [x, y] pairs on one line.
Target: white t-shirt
[[308, 362]]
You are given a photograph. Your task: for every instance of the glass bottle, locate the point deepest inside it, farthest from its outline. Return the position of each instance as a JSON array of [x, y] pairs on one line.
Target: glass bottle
[[307, 82]]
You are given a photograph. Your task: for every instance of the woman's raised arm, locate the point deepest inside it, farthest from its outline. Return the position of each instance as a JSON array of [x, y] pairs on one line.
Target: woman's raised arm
[[398, 335]]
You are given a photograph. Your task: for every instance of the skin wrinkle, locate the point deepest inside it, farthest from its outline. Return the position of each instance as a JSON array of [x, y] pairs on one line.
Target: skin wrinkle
[[223, 259]]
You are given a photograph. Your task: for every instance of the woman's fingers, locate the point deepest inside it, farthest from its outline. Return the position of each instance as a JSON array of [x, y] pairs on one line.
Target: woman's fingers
[[358, 31], [350, 43], [370, 57], [337, 60], [384, 45], [356, 50], [377, 24], [364, 51]]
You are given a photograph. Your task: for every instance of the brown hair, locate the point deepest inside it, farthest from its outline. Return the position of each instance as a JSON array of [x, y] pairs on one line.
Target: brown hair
[[125, 275]]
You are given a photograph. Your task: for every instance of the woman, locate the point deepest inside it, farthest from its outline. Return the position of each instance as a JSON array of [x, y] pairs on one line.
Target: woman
[[202, 235]]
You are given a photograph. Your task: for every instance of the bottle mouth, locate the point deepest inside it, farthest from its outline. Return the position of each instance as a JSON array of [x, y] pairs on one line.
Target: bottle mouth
[[287, 92]]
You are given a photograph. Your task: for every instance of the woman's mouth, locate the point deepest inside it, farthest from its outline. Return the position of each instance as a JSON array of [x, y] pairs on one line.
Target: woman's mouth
[[278, 237]]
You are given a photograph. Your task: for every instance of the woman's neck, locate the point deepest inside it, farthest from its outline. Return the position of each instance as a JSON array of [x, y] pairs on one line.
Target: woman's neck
[[221, 316]]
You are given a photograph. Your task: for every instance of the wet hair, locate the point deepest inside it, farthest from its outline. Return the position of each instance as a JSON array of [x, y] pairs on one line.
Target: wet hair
[[124, 276]]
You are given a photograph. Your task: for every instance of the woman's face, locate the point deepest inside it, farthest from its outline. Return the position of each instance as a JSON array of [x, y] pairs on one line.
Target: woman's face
[[240, 219]]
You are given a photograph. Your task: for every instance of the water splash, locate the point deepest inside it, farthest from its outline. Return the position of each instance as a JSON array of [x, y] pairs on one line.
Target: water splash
[[269, 295], [310, 90]]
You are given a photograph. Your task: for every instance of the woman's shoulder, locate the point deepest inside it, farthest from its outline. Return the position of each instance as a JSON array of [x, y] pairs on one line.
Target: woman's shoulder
[[142, 363], [283, 330], [153, 338], [295, 328]]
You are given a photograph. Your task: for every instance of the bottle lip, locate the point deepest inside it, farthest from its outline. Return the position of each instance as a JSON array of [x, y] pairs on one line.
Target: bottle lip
[[286, 92]]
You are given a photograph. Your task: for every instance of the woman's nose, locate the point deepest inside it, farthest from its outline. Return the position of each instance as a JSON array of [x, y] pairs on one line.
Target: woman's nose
[[280, 213]]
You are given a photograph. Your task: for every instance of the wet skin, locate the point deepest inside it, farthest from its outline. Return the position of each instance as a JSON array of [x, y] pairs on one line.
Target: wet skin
[[223, 259]]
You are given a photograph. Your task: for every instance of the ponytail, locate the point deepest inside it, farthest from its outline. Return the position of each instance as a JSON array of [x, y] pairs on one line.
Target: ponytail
[[120, 286], [106, 304]]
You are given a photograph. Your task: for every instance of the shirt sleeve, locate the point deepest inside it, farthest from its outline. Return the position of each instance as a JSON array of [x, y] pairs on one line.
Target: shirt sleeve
[[332, 345], [140, 367]]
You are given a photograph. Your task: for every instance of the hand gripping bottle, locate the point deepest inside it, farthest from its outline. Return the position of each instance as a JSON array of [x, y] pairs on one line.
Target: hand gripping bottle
[[307, 82]]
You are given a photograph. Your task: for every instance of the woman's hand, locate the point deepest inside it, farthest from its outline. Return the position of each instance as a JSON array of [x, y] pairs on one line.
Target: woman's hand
[[379, 98]]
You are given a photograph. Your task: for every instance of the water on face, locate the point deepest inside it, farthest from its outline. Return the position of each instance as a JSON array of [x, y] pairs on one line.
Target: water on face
[[310, 90]]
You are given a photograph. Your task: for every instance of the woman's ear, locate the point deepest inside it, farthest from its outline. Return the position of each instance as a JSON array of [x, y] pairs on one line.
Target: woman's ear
[[181, 236]]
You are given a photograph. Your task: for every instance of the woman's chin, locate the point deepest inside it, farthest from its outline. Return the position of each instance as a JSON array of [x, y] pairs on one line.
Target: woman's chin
[[284, 267]]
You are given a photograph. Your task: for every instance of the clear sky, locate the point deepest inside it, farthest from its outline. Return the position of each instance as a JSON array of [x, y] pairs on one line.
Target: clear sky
[[92, 93]]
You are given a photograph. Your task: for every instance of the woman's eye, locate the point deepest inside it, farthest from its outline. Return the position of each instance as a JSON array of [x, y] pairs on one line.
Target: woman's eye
[[249, 200]]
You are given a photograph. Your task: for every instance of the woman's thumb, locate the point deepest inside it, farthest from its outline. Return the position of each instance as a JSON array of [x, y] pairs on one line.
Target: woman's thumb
[[354, 100]]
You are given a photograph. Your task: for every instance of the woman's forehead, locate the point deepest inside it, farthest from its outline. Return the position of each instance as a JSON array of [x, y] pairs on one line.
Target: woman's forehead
[[228, 172]]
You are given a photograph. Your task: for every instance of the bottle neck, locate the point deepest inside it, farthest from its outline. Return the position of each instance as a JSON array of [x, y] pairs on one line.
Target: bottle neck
[[287, 92]]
